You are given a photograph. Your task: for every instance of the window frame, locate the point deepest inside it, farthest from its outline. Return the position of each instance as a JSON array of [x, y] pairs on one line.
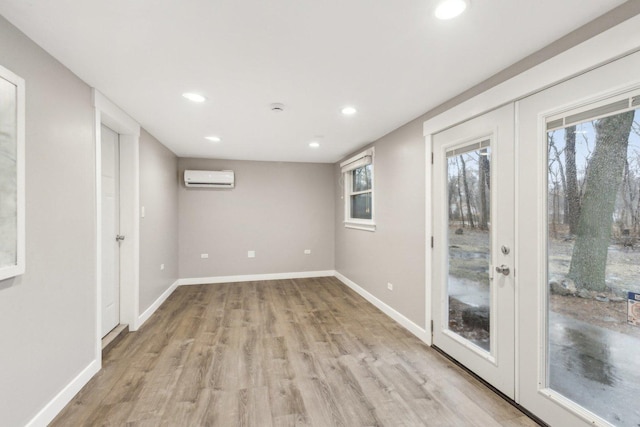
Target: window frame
[[363, 159]]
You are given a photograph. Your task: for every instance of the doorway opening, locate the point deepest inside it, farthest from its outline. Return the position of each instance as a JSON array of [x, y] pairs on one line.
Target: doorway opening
[[128, 133]]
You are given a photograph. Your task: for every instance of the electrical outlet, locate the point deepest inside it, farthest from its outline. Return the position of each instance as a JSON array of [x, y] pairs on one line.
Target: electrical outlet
[[203, 256], [390, 286], [161, 266], [251, 254], [307, 251]]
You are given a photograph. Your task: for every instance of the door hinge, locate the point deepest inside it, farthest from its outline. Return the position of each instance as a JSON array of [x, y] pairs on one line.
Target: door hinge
[[432, 328], [432, 157], [432, 241]]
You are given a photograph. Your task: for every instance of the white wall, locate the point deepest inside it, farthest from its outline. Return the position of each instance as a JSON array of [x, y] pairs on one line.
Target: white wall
[[159, 227], [276, 209], [47, 316]]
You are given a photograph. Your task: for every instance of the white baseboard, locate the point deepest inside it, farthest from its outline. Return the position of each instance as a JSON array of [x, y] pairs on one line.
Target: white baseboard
[[254, 277], [156, 304], [416, 330], [53, 408]]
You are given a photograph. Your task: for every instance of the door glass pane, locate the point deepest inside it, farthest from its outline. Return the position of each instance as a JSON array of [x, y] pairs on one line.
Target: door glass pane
[[469, 242], [594, 264]]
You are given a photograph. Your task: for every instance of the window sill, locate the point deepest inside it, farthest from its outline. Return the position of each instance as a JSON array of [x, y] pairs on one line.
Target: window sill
[[360, 226]]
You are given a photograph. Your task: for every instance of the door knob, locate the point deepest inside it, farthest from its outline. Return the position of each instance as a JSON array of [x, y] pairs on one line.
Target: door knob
[[503, 269], [120, 238]]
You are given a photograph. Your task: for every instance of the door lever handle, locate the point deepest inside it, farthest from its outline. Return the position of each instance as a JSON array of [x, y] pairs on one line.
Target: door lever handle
[[503, 269], [119, 237]]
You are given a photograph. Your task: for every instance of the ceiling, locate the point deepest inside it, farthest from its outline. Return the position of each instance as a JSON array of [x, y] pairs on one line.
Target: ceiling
[[390, 59]]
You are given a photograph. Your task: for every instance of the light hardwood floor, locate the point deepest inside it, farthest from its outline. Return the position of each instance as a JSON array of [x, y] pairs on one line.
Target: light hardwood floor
[[306, 352]]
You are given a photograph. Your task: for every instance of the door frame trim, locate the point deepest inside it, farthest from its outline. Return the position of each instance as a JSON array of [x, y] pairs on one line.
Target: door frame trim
[[110, 115]]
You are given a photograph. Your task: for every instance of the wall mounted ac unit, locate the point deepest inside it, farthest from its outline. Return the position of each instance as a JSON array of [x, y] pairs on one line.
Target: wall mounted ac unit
[[209, 179]]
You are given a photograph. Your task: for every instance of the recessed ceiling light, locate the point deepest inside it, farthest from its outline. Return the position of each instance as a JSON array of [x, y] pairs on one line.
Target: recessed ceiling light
[[195, 97], [349, 111], [213, 138], [314, 144], [449, 9]]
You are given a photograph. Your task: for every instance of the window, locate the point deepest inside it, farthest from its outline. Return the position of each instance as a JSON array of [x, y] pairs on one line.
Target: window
[[358, 184], [592, 214]]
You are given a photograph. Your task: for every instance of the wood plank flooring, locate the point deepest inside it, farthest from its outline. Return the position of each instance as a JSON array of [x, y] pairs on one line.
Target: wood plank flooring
[[302, 352]]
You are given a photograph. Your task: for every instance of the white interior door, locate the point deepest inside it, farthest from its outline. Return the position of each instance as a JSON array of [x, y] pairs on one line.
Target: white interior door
[[110, 230], [473, 223], [579, 235]]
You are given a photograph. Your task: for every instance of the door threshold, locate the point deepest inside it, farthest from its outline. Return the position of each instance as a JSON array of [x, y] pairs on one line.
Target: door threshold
[[512, 402], [113, 337]]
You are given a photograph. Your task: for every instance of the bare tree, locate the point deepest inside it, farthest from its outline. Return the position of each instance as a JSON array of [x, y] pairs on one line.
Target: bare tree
[[451, 187], [561, 175], [572, 191], [626, 194], [485, 187], [636, 218], [467, 193], [460, 203]]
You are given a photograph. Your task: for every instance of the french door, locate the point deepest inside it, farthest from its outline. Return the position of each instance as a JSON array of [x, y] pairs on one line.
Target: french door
[[473, 281], [536, 258], [579, 257]]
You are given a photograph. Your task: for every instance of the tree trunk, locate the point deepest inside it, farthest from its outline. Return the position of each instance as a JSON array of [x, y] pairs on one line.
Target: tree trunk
[[626, 193], [485, 194], [460, 211], [589, 258], [636, 217], [466, 192], [573, 193], [451, 198], [563, 181], [554, 211]]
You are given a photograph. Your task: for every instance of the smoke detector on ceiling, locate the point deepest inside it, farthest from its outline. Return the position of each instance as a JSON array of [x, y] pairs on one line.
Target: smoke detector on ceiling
[[277, 107]]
